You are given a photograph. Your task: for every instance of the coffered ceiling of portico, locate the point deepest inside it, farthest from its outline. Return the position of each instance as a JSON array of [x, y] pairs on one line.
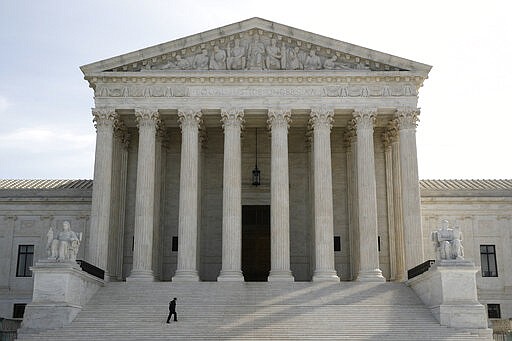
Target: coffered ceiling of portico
[[252, 45]]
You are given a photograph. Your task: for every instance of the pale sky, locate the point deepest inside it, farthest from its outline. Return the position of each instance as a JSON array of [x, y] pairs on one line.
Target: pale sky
[[46, 128]]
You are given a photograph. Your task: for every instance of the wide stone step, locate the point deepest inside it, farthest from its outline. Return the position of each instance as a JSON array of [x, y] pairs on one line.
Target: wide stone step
[[255, 311]]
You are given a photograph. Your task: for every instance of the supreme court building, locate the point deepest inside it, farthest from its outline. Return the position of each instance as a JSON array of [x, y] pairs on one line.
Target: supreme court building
[[184, 127], [256, 152]]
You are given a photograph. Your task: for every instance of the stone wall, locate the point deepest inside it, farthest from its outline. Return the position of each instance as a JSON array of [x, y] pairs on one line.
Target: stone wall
[[485, 219], [25, 218]]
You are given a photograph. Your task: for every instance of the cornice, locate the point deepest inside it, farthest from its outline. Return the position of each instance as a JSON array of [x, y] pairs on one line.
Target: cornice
[[256, 77]]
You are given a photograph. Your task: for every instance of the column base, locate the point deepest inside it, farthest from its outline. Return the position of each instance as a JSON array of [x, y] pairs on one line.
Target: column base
[[141, 276], [280, 276], [185, 276], [230, 276], [325, 276], [370, 276]]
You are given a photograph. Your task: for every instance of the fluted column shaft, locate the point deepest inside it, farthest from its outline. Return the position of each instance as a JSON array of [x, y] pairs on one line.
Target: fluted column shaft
[[147, 120], [232, 120], [278, 121], [389, 205], [104, 119], [407, 119], [189, 191], [367, 198], [397, 207], [351, 145], [321, 121]]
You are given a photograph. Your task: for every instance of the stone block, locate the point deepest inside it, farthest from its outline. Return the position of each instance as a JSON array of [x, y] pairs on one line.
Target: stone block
[[61, 289], [448, 288]]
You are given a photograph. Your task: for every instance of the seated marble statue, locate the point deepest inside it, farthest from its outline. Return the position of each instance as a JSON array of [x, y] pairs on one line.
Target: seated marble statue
[[448, 242], [64, 245]]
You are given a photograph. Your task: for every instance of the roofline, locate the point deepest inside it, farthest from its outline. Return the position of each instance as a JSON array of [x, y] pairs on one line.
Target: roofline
[[258, 23]]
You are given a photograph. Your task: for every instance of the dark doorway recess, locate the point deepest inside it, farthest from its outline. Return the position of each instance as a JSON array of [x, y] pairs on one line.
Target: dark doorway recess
[[256, 242]]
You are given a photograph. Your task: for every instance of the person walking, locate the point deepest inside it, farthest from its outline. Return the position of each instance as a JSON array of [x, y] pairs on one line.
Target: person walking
[[172, 310]]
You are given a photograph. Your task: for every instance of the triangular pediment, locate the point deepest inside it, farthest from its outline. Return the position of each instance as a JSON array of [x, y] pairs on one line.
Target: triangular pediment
[[255, 44]]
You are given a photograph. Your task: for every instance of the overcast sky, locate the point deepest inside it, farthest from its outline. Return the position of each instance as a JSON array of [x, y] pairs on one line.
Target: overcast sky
[[46, 128]]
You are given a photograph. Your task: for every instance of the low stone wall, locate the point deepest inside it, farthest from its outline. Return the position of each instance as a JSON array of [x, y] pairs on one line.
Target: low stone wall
[[448, 288], [60, 292]]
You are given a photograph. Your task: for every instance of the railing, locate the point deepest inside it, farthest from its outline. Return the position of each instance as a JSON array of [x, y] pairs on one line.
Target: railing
[[419, 269], [8, 329], [91, 269]]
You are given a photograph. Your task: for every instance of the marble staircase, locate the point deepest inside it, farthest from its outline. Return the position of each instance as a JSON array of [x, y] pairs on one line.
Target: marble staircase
[[255, 311]]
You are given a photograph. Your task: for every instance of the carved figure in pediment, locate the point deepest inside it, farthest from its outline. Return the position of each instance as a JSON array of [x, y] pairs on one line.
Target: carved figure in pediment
[[236, 57], [201, 61], [313, 61], [292, 61], [273, 59], [218, 59], [179, 64], [255, 54], [333, 64]]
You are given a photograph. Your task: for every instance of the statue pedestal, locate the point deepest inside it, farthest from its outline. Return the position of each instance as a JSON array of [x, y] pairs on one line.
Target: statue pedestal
[[448, 288], [60, 291]]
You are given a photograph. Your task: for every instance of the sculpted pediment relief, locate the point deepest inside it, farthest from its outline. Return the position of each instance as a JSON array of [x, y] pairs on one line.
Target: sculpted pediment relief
[[254, 44], [256, 50]]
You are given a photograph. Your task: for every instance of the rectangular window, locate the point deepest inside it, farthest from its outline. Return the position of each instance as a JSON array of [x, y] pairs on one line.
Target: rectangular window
[[18, 310], [493, 311], [174, 244], [25, 259], [337, 243], [488, 260]]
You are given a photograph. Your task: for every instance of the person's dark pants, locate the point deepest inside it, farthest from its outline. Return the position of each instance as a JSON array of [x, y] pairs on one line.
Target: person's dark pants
[[170, 314]]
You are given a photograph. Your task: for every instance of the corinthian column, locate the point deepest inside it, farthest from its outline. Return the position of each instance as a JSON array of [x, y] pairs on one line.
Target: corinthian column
[[189, 191], [407, 119], [278, 121], [321, 121], [367, 198], [147, 120], [232, 197], [102, 189]]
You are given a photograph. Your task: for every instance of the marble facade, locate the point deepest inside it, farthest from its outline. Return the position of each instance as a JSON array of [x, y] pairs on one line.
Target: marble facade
[[177, 126], [205, 94]]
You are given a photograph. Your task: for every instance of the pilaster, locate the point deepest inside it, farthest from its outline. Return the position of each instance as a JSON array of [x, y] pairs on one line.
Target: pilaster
[[232, 120], [278, 122], [321, 120], [190, 120], [367, 197]]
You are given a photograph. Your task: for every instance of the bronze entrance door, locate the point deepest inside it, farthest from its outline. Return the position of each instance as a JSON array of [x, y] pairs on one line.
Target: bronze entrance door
[[256, 242]]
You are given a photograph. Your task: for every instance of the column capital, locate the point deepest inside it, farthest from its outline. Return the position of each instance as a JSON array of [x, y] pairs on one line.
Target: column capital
[[390, 135], [232, 117], [350, 136], [121, 133], [189, 118], [278, 117], [147, 117], [407, 117], [364, 118], [104, 116], [321, 117]]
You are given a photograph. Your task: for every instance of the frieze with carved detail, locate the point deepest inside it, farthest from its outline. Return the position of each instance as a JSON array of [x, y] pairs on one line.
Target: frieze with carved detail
[[156, 91]]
